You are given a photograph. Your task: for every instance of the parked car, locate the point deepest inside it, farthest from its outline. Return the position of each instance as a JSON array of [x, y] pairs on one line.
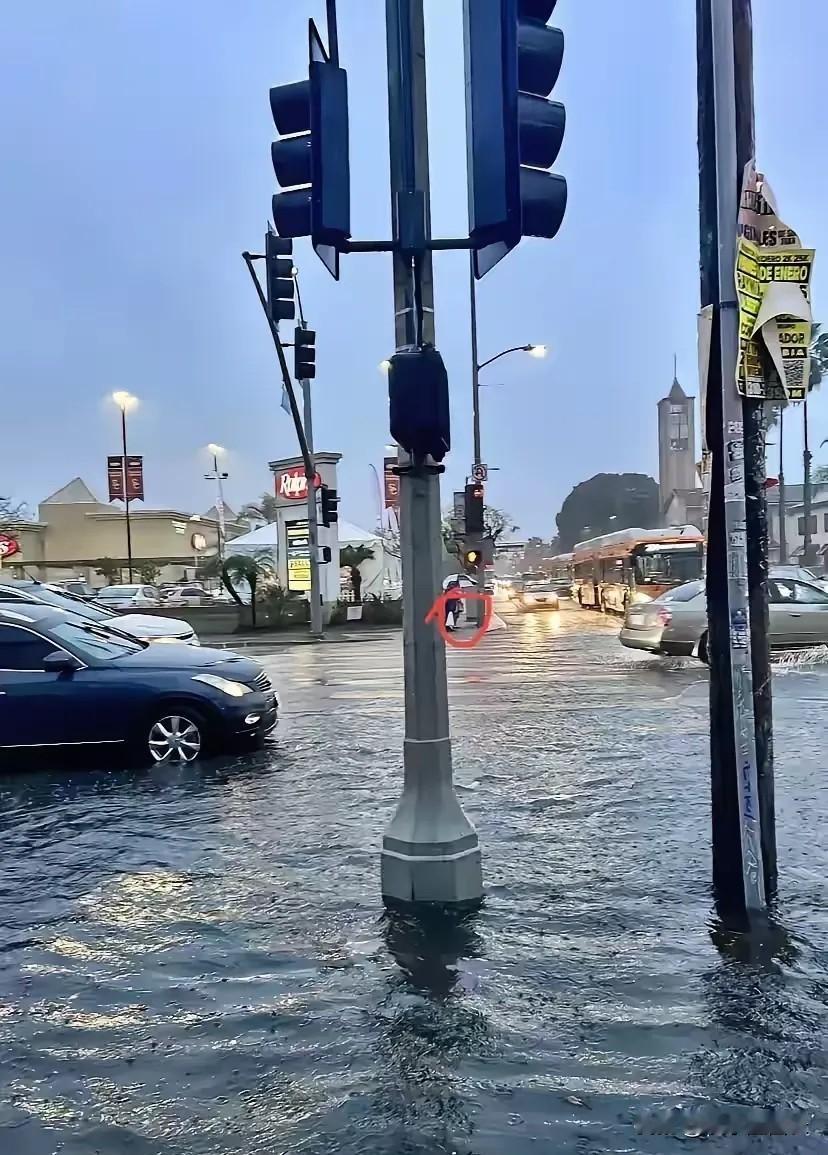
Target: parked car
[[188, 596], [78, 587], [129, 597], [676, 623], [66, 681], [146, 627], [538, 595]]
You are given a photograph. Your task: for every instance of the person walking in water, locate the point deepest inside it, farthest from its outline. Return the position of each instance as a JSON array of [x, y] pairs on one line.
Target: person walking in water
[[454, 605]]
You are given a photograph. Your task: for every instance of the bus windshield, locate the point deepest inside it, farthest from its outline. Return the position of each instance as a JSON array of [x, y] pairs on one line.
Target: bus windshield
[[667, 566]]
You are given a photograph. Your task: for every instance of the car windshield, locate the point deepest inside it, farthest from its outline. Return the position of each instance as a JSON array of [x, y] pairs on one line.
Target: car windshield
[[119, 592], [95, 642], [66, 601], [684, 593]]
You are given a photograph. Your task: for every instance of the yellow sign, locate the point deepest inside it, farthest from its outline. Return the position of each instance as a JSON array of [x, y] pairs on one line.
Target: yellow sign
[[298, 556], [773, 289]]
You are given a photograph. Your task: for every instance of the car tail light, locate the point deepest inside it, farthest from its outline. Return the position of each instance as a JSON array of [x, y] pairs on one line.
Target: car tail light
[[664, 617]]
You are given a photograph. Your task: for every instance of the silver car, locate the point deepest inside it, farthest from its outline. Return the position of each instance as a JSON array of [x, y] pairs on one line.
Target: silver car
[[676, 623]]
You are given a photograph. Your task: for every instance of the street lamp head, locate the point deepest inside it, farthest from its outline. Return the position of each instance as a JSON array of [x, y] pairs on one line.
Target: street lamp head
[[216, 450], [125, 401], [538, 351]]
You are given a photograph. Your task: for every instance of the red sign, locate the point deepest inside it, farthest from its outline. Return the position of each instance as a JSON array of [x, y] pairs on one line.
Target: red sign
[[293, 485], [115, 474], [135, 478], [392, 484], [8, 546]]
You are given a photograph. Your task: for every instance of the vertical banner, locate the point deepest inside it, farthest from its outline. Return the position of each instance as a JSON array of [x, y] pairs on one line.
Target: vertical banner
[[135, 478], [115, 476], [392, 484]]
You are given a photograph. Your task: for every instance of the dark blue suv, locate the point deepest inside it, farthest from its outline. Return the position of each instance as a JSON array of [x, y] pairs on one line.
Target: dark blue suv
[[66, 681]]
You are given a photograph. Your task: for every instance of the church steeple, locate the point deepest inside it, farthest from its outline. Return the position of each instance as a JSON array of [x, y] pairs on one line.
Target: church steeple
[[676, 392]]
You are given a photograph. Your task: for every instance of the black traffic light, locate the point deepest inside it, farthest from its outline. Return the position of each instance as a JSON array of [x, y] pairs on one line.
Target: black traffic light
[[330, 505], [281, 287], [472, 559], [514, 133], [311, 161], [418, 396], [474, 508], [304, 354]]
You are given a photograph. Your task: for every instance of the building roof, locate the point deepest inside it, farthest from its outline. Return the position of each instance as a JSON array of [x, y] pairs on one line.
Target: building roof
[[676, 392], [77, 492]]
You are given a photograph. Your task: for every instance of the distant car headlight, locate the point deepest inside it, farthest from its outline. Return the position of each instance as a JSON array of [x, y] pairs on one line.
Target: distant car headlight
[[233, 689]]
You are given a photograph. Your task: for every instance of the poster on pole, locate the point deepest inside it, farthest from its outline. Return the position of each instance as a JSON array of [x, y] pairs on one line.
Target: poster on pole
[[135, 478], [115, 477], [298, 556], [773, 289], [392, 483]]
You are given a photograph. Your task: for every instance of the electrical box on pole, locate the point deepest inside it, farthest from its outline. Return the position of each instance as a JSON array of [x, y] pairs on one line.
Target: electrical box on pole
[[418, 396], [304, 354], [281, 288], [513, 131], [311, 158]]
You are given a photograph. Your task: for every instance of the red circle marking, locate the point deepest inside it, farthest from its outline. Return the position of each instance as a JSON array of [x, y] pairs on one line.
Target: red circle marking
[[437, 614]]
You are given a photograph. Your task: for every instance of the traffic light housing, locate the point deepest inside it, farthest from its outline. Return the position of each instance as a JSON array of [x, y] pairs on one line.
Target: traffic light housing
[[418, 396], [513, 132], [304, 354], [281, 287], [329, 499], [311, 160], [474, 508]]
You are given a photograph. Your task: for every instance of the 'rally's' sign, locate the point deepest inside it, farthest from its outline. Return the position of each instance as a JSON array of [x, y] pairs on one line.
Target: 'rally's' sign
[[293, 485]]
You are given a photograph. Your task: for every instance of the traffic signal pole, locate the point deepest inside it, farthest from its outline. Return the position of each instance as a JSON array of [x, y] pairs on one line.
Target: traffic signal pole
[[430, 851], [316, 624], [738, 866]]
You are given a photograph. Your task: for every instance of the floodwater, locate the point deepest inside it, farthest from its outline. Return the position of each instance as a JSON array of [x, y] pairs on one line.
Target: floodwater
[[196, 962]]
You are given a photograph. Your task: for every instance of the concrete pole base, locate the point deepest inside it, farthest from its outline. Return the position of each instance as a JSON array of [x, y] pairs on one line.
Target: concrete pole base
[[430, 852]]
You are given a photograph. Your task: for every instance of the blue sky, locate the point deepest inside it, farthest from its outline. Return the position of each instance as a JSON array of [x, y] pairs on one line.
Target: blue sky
[[136, 135]]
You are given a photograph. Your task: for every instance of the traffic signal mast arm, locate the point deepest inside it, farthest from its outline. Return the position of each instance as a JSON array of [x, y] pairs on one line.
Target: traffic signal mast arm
[[310, 471]]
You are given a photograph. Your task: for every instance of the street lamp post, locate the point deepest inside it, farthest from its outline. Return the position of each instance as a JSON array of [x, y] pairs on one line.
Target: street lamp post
[[532, 350], [218, 476], [125, 401]]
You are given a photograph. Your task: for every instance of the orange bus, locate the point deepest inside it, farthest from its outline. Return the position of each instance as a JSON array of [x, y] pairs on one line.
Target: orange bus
[[635, 565]]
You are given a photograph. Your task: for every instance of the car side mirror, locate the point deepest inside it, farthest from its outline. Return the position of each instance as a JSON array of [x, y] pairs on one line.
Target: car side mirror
[[60, 663]]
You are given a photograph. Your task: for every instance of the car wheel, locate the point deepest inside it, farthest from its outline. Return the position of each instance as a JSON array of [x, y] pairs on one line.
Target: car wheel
[[703, 654], [175, 736]]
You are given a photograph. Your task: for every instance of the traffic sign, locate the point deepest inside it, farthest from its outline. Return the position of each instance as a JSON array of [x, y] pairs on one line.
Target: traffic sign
[[480, 473]]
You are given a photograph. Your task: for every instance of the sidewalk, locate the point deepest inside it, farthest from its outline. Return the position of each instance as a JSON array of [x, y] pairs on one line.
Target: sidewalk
[[267, 639]]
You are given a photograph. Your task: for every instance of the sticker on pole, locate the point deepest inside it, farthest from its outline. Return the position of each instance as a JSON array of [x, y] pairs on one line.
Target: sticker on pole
[[439, 613]]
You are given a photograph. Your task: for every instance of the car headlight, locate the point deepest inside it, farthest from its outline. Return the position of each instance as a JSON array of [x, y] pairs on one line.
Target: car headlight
[[233, 689]]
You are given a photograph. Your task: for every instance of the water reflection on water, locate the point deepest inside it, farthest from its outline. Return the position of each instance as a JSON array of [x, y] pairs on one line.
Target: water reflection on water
[[195, 960]]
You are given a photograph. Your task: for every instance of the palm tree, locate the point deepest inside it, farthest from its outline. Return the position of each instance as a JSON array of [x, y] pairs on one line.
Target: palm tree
[[245, 568], [262, 510], [352, 557]]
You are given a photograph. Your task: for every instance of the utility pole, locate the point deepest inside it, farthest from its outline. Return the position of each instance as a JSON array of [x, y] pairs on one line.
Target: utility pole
[[756, 501], [738, 867], [430, 850], [808, 553], [475, 361], [304, 356], [783, 529], [218, 476], [313, 524]]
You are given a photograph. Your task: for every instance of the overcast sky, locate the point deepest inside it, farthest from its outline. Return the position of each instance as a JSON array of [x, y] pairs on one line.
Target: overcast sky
[[136, 140]]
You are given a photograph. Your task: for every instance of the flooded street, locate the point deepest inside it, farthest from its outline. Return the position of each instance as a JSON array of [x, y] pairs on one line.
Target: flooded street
[[195, 961]]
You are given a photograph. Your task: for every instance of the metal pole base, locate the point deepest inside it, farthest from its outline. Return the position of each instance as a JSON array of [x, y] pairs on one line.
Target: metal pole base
[[430, 853]]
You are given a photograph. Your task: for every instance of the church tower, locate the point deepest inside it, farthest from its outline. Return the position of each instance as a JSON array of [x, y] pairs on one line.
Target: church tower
[[676, 443]]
